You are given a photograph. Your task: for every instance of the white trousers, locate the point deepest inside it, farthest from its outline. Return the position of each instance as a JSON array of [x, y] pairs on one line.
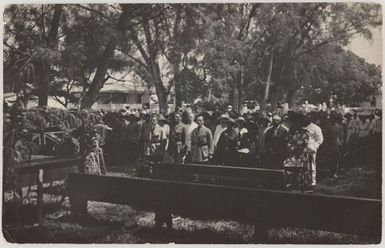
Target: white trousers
[[313, 169]]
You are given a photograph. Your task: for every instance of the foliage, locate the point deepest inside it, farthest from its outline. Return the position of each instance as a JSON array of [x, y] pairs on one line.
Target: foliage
[[336, 71], [218, 52]]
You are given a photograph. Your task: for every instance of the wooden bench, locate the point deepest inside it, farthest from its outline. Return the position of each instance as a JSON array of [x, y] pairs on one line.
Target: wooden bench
[[262, 208], [44, 171], [215, 174]]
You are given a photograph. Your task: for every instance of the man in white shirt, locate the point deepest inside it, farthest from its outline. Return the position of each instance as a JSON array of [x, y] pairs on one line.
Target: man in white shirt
[[315, 140], [162, 122], [191, 125]]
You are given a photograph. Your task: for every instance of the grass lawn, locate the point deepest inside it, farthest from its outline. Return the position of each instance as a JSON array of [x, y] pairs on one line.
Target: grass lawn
[[110, 223]]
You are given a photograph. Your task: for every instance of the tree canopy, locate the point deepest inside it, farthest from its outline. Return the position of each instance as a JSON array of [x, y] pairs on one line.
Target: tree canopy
[[218, 52]]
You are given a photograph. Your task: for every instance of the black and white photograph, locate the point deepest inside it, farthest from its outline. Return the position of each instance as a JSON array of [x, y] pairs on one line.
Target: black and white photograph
[[191, 123]]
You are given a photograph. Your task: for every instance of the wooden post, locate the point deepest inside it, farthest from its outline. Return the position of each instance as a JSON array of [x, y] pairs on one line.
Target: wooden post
[[39, 203], [19, 202]]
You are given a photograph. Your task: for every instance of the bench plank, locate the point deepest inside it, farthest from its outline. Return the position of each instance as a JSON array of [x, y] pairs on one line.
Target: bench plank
[[215, 202], [228, 175]]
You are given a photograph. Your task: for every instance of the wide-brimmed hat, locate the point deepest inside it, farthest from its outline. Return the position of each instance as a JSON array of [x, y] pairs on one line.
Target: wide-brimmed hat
[[231, 120], [162, 118], [223, 116], [134, 114], [277, 118], [241, 119]]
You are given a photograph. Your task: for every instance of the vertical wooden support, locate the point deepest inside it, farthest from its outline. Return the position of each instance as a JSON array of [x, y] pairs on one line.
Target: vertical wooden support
[[39, 203], [19, 202]]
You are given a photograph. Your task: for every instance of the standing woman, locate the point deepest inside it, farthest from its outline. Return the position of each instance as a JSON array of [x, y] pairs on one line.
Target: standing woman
[[333, 143], [363, 136], [297, 165], [227, 146]]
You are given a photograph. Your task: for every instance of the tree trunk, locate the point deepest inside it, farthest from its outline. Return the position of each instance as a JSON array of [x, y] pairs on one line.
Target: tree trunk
[[235, 99], [240, 88], [99, 79], [178, 89], [162, 98], [44, 80], [268, 80]]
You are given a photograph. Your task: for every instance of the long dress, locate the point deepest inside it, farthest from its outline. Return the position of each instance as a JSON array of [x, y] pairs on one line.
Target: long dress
[[297, 165], [226, 152]]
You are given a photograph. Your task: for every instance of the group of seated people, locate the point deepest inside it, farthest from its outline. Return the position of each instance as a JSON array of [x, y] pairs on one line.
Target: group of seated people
[[296, 139]]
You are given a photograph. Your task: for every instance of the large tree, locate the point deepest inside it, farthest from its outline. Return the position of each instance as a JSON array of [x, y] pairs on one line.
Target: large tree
[[31, 39], [231, 52], [278, 37], [164, 41]]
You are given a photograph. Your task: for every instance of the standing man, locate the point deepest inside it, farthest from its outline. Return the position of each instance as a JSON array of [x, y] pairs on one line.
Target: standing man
[[202, 147], [315, 140], [162, 122], [333, 143], [145, 133], [157, 141], [191, 125], [275, 143], [178, 133], [133, 136]]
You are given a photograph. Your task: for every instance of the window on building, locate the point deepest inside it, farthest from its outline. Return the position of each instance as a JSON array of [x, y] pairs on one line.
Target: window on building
[[119, 98], [138, 98], [104, 98]]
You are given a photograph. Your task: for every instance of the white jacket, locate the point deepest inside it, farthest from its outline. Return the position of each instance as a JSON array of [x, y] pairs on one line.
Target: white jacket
[[315, 136]]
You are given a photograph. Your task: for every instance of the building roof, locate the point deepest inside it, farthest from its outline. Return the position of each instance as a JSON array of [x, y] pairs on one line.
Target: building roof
[[126, 87], [122, 87]]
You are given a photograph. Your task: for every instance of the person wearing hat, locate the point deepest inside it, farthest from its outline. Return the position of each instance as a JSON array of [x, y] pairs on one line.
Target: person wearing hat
[[244, 140], [263, 126], [155, 140], [202, 147], [315, 140], [220, 128], [145, 131], [347, 132], [132, 137], [242, 132], [230, 111], [191, 125], [297, 164], [276, 145], [333, 143], [226, 153], [178, 133], [117, 139], [162, 121]]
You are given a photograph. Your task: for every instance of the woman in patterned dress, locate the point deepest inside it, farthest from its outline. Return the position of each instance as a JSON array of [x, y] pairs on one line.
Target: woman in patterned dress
[[297, 166]]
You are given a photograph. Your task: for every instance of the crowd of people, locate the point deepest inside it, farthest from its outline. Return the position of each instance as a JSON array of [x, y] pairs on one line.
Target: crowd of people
[[297, 140]]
